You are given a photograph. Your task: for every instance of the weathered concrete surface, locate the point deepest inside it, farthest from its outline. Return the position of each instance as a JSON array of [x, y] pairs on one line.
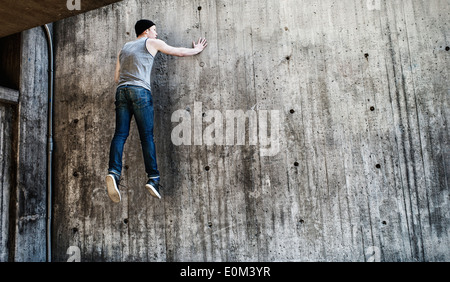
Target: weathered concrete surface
[[362, 169], [31, 191], [23, 170], [7, 112]]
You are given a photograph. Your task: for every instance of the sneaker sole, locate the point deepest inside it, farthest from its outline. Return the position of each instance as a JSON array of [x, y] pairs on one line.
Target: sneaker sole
[[153, 191], [113, 192]]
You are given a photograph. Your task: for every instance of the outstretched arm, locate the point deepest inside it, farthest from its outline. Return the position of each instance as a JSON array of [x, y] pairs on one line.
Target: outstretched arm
[[155, 45]]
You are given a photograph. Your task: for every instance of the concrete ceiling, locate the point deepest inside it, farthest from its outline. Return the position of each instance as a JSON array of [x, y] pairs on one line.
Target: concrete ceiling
[[20, 15]]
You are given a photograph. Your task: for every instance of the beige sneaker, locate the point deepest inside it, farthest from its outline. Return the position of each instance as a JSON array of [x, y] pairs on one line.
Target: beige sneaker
[[112, 183]]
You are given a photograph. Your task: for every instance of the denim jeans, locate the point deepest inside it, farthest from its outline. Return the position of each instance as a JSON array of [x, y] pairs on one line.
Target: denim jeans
[[137, 101]]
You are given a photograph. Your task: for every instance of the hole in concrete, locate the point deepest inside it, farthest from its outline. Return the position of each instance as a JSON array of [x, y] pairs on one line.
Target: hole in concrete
[[372, 108], [207, 168], [378, 166], [384, 222], [125, 221], [75, 121], [210, 224], [447, 48], [296, 164], [74, 230], [366, 55], [292, 111], [199, 8], [75, 174]]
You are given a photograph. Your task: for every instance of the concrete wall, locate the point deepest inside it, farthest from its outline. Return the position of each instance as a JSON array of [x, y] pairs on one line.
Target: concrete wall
[[359, 95], [31, 193], [7, 113], [23, 132]]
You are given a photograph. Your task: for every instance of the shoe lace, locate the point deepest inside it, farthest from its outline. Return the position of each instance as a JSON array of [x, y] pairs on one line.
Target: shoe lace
[[157, 183], [120, 183]]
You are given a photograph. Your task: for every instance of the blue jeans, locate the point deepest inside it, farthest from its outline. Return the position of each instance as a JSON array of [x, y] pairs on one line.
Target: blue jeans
[[137, 101]]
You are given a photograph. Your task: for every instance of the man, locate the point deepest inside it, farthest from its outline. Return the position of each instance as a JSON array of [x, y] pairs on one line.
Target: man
[[133, 97]]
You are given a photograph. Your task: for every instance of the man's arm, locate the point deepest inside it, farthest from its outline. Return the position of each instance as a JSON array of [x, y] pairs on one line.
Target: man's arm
[[117, 72], [155, 45]]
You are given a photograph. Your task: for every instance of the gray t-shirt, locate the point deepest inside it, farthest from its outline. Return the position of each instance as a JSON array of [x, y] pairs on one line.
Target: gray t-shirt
[[136, 64]]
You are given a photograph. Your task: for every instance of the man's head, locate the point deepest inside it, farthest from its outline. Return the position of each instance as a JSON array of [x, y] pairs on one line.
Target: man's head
[[147, 27]]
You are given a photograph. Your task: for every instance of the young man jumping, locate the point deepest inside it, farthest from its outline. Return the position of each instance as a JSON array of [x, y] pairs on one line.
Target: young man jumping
[[133, 98]]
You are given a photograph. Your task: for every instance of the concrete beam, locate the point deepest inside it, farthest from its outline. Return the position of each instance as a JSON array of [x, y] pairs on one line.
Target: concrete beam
[[9, 96], [17, 16]]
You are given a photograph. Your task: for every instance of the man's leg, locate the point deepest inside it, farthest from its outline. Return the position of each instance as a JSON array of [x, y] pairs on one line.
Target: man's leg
[[144, 115], [123, 119]]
